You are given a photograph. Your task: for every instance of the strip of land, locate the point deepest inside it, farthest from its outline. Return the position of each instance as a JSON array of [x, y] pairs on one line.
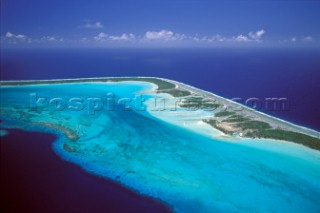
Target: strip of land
[[226, 115]]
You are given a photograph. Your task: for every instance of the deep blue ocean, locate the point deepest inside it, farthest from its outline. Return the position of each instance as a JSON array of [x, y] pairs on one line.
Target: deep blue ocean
[[233, 73]]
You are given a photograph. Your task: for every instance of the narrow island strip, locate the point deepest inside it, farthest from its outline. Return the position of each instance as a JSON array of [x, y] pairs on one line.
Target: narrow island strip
[[226, 117]]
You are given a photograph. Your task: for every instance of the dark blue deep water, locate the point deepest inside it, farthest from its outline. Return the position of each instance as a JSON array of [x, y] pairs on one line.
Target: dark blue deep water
[[245, 73], [35, 179]]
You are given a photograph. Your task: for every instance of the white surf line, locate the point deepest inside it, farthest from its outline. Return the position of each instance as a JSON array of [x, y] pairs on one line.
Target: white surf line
[[296, 127], [193, 89]]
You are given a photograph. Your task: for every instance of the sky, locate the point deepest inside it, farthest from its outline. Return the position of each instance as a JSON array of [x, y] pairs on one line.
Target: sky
[[104, 23]]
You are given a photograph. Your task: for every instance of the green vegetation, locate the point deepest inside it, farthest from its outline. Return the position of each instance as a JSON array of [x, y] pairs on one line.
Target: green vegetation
[[236, 123], [194, 99], [236, 119], [260, 129], [211, 106], [199, 102], [214, 123], [159, 82], [176, 92], [253, 125], [162, 85], [224, 113], [191, 102], [279, 134]]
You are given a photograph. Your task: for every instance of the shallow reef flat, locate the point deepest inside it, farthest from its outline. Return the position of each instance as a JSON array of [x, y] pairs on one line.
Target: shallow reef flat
[[226, 116], [198, 154]]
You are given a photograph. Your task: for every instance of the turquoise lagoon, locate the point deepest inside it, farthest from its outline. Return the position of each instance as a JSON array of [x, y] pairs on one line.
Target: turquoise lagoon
[[191, 172]]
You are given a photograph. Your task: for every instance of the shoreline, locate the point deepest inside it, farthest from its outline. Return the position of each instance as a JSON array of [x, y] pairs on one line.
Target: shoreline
[[171, 164], [207, 93], [281, 129], [80, 80]]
